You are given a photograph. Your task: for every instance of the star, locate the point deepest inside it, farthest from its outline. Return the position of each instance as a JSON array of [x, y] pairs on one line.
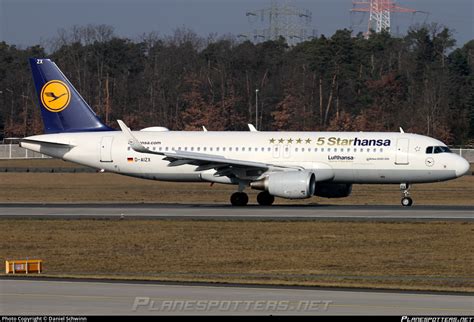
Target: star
[[308, 141], [272, 140], [417, 149], [280, 141], [298, 140], [290, 140]]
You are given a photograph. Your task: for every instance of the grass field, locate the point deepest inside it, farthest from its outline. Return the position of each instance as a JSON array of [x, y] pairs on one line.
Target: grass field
[[107, 187], [423, 256], [399, 255]]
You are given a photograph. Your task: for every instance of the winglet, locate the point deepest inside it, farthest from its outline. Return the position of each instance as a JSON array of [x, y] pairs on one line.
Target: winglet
[[132, 141], [252, 128], [401, 130], [204, 128]]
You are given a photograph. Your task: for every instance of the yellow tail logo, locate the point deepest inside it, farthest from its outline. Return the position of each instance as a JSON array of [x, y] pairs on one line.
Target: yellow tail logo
[[55, 96]]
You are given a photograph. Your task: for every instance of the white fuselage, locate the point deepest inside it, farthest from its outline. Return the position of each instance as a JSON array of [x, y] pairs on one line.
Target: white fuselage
[[355, 157]]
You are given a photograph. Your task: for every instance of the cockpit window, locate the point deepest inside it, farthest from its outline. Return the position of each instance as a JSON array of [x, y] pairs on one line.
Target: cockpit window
[[437, 149]]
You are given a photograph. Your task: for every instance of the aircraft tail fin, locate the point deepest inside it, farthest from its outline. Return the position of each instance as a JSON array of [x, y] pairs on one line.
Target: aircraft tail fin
[[62, 107]]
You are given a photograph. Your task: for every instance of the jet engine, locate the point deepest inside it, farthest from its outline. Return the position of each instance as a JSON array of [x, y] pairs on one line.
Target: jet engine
[[288, 184]]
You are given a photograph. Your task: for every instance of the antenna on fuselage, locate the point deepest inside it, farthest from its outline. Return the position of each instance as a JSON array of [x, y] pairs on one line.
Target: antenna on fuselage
[[252, 128]]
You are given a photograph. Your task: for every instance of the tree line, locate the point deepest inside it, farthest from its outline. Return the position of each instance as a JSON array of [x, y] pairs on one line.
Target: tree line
[[419, 82]]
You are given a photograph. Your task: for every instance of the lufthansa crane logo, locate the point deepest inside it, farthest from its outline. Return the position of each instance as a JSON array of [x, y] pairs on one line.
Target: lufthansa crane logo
[[55, 96]]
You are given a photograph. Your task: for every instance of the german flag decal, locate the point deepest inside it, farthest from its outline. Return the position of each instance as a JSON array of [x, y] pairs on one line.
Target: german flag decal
[[129, 159]]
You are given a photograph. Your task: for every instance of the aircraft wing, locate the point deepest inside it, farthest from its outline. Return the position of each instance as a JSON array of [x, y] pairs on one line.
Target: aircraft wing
[[203, 161]]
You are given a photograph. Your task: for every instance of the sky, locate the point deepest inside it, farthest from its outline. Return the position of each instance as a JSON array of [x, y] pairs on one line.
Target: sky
[[30, 22]]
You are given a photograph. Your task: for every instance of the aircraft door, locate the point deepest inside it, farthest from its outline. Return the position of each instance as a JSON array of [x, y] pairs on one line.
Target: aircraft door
[[106, 149], [401, 157]]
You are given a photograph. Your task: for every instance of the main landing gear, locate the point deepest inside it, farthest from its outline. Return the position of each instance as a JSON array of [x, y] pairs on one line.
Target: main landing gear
[[241, 199], [406, 200], [265, 199]]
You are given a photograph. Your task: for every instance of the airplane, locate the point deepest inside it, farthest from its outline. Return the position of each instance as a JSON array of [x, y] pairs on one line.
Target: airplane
[[291, 165]]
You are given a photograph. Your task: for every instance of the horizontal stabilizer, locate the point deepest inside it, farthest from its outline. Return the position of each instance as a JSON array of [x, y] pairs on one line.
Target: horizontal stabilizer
[[57, 144]]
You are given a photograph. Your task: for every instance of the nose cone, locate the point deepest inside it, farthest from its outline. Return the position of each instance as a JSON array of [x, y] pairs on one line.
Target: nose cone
[[461, 166]]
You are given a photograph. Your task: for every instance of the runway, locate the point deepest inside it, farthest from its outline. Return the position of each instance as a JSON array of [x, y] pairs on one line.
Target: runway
[[220, 212], [43, 297]]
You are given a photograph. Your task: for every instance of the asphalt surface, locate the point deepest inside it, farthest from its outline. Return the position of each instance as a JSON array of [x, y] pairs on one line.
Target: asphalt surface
[[213, 212], [45, 297]]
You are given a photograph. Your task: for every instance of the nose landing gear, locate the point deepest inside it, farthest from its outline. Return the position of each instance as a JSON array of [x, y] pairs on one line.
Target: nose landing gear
[[406, 200]]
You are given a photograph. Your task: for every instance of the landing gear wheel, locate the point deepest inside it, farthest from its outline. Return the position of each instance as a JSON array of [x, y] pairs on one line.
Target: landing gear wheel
[[239, 199], [265, 199], [407, 201]]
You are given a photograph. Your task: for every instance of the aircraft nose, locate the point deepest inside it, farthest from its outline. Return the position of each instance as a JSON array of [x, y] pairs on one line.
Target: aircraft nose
[[461, 166]]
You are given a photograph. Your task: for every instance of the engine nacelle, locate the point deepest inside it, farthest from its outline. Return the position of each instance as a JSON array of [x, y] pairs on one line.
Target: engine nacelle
[[289, 184], [333, 190]]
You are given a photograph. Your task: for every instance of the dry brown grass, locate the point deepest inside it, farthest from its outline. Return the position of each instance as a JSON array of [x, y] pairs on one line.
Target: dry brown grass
[[430, 256], [436, 255], [427, 255], [106, 187], [39, 163]]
